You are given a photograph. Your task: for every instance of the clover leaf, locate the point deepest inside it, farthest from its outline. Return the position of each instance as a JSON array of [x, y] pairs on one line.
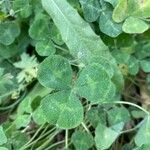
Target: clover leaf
[[63, 109]]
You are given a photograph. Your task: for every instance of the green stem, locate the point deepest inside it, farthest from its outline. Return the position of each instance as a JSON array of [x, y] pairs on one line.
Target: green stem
[[133, 129], [36, 133], [66, 139], [85, 127], [132, 104], [34, 142], [50, 137], [61, 48], [128, 103], [55, 144]]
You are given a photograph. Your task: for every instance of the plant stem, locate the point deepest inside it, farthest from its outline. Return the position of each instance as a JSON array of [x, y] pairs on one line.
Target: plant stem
[[34, 142], [55, 144], [84, 126], [132, 104], [61, 48], [36, 133], [135, 128], [50, 137], [66, 139], [128, 103]]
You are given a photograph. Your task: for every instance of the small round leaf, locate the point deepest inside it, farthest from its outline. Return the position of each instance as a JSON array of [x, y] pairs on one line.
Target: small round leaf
[[134, 25], [82, 140], [63, 109], [8, 32], [55, 72], [45, 47], [95, 84]]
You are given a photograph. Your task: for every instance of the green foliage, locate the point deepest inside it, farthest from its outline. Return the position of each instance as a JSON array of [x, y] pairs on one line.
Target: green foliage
[[22, 121], [23, 7], [95, 85], [8, 32], [3, 138], [45, 47], [40, 22], [118, 115], [91, 9], [55, 72], [63, 109], [88, 42], [134, 25], [143, 135], [145, 65], [105, 136], [76, 65], [108, 26], [82, 140], [120, 11]]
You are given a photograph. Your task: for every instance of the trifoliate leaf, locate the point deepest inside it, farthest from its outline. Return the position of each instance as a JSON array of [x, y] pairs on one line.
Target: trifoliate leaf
[[45, 47], [8, 32], [3, 138], [145, 65], [108, 26], [63, 109], [120, 11], [143, 134], [55, 72], [78, 35], [106, 136], [91, 9], [82, 140], [95, 85], [134, 25]]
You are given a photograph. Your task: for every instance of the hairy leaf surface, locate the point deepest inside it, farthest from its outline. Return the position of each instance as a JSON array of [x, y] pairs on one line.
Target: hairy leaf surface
[[95, 85], [76, 33], [63, 109], [55, 72]]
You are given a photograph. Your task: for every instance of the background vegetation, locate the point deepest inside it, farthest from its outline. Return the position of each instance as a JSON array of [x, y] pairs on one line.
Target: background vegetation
[[74, 74]]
